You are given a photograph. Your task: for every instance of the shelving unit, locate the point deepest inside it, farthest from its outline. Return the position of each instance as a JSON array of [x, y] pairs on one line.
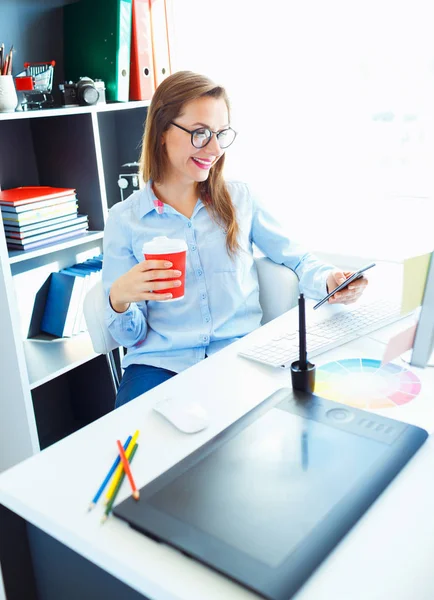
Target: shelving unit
[[51, 387], [16, 256], [48, 358], [73, 110]]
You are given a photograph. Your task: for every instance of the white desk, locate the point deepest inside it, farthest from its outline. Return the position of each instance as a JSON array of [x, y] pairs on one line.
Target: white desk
[[388, 554]]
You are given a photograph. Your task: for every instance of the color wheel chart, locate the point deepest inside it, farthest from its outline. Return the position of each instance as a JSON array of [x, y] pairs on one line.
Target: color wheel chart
[[365, 383]]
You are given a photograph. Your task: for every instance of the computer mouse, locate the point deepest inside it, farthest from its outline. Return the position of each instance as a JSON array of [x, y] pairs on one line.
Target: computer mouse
[[187, 416]]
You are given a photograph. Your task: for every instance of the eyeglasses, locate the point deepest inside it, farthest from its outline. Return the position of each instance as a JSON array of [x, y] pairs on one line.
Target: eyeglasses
[[202, 136]]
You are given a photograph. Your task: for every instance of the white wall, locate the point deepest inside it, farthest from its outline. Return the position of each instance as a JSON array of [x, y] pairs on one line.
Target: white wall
[[334, 105]]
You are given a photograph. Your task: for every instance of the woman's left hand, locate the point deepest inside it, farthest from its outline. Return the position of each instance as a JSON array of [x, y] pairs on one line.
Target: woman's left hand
[[349, 294]]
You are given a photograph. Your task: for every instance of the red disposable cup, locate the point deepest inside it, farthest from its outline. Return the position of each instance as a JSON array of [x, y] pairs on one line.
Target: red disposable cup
[[155, 250]]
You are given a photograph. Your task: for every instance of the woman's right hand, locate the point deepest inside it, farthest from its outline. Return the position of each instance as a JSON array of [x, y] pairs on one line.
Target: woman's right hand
[[141, 281]]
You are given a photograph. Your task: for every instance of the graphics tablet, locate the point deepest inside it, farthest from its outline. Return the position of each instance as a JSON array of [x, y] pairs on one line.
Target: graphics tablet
[[268, 498]]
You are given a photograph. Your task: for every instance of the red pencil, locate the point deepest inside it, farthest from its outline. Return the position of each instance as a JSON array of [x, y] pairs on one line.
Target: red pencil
[[127, 470]]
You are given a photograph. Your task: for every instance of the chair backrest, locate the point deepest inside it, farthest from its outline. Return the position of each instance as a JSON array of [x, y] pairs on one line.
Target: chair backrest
[[94, 311], [278, 292], [278, 288]]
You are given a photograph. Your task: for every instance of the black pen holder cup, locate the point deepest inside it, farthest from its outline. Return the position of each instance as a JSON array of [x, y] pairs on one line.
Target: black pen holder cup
[[303, 379]]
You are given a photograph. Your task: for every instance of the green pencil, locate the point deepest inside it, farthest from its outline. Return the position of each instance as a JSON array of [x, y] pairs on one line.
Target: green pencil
[[110, 503]]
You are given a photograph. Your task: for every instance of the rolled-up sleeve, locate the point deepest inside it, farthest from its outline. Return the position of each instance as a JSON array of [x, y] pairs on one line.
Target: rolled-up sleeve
[[130, 327]]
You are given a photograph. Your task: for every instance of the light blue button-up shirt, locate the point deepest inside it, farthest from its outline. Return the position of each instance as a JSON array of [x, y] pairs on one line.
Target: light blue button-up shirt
[[221, 302]]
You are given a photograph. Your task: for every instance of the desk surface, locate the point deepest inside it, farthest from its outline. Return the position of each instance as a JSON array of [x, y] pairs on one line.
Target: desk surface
[[388, 554]]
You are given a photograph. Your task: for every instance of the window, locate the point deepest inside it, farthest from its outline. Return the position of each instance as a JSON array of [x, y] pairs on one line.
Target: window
[[334, 105]]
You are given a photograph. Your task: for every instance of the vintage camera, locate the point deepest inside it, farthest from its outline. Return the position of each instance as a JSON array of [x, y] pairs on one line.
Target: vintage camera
[[85, 92]]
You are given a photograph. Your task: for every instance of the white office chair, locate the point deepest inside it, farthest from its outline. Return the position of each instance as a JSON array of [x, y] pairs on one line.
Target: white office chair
[[102, 341], [278, 292], [278, 288]]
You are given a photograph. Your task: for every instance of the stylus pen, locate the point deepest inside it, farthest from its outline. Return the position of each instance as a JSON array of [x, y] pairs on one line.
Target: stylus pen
[[302, 333]]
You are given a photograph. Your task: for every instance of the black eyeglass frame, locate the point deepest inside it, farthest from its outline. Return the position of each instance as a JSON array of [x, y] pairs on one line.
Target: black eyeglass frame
[[216, 133]]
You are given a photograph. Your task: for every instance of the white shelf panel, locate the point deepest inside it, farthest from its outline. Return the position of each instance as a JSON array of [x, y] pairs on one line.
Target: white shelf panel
[[73, 110], [16, 256], [48, 357]]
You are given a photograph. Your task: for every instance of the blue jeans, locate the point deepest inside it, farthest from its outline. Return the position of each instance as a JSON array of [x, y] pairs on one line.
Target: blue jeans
[[138, 379]]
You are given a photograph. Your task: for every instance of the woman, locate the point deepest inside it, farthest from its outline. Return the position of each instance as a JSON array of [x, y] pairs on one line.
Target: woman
[[186, 136]]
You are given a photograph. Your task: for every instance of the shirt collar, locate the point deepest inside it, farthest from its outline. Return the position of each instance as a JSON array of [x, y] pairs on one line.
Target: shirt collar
[[150, 202]]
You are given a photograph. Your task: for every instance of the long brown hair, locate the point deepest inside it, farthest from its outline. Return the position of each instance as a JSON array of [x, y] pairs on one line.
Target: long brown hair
[[167, 104]]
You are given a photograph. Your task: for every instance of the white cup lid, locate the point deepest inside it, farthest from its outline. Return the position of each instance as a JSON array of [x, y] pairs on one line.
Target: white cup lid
[[163, 244]]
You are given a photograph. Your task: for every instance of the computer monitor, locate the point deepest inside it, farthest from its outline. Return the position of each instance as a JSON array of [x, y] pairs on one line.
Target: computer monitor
[[423, 345]]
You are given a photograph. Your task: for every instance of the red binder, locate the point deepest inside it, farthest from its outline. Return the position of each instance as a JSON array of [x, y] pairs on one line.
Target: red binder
[[28, 194], [141, 69]]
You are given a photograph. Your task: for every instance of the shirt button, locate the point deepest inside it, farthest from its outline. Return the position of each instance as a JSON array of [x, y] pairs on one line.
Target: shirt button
[[193, 248], [199, 272], [189, 223], [203, 296], [207, 319], [205, 338]]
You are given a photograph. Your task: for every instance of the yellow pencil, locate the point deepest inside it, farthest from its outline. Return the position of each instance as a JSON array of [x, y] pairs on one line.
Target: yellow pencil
[[120, 468]]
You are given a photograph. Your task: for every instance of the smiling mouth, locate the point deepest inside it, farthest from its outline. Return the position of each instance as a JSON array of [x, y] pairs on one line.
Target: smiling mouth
[[202, 164]]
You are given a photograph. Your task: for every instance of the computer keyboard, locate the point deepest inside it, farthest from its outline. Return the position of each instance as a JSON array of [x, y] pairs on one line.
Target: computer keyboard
[[282, 349]]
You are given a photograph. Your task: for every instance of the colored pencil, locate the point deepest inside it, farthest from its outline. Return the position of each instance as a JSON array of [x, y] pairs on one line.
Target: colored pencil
[[109, 505], [9, 72], [120, 468], [6, 63], [107, 477], [127, 470]]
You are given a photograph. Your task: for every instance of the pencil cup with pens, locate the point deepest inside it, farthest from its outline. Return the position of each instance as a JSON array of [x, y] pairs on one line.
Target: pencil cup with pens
[[8, 94]]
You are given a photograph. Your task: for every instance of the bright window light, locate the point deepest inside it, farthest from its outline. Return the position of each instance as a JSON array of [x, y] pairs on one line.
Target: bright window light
[[334, 105]]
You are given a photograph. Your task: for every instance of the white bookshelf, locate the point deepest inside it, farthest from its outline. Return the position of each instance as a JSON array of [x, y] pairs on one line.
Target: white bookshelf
[[73, 110], [47, 358], [16, 256], [44, 378]]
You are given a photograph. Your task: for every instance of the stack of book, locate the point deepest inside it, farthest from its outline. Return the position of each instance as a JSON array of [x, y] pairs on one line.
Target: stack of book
[[37, 215], [63, 313]]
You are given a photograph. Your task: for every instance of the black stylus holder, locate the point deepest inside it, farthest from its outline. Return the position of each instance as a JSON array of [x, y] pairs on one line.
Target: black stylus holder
[[302, 371], [303, 379]]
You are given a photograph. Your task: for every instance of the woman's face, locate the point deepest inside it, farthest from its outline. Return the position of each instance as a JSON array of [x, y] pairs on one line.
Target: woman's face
[[188, 164]]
